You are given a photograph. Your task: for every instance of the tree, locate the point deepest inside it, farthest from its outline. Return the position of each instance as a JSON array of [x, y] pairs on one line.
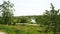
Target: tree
[[53, 16], [0, 20], [14, 21], [23, 19], [50, 19], [7, 12]]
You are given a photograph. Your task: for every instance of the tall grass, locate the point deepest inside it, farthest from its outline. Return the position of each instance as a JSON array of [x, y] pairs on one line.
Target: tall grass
[[9, 30], [19, 29]]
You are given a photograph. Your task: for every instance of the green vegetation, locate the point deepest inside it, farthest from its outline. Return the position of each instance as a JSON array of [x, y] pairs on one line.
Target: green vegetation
[[19, 29], [11, 30], [49, 22], [27, 29], [7, 12]]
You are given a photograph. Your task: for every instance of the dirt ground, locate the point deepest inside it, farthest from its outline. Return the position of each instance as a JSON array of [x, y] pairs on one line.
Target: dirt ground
[[2, 33]]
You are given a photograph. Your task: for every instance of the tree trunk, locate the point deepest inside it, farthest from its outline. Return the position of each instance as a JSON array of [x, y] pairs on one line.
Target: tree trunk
[[55, 28]]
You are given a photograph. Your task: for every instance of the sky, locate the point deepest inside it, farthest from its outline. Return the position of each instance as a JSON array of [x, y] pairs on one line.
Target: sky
[[32, 7]]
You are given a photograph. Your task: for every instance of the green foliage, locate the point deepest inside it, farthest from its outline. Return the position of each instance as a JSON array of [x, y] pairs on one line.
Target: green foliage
[[7, 14], [18, 29], [50, 19], [27, 29], [23, 20], [53, 16], [9, 30]]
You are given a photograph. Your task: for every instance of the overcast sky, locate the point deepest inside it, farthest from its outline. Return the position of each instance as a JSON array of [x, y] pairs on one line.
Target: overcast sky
[[33, 7]]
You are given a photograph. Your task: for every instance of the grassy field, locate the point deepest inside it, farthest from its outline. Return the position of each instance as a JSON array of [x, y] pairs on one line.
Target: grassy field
[[20, 29]]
